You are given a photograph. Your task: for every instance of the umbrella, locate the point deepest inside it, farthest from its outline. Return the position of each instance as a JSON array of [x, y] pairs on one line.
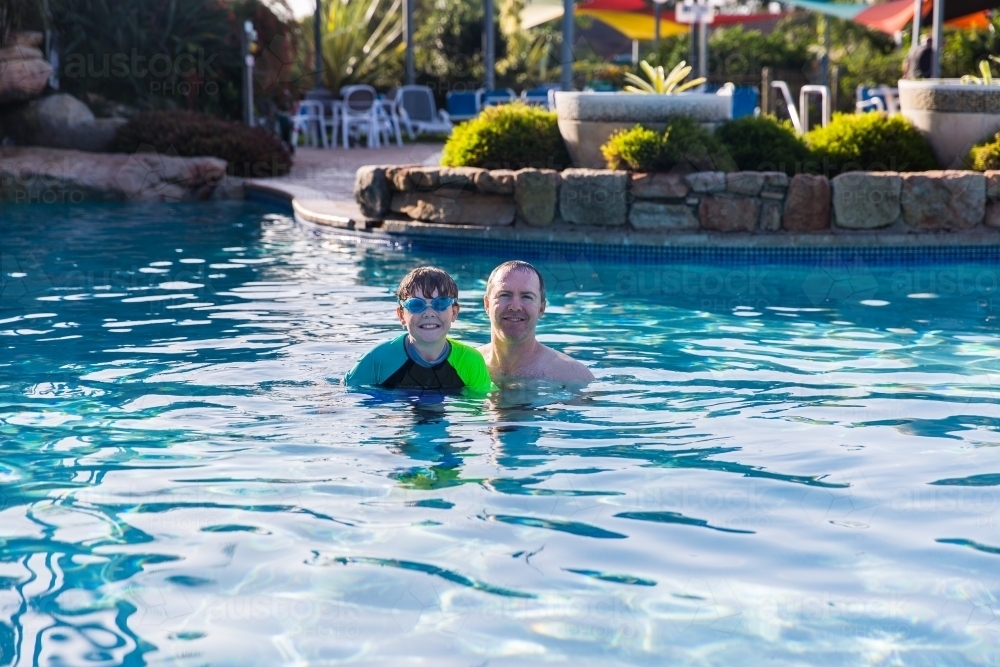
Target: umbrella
[[891, 17], [632, 18]]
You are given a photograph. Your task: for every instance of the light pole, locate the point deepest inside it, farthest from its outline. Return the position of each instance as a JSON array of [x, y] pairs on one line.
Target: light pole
[[318, 38], [566, 60], [408, 39], [938, 38], [247, 46], [489, 49]]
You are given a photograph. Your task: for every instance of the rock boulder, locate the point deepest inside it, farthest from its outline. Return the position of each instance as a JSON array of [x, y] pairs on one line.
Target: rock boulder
[[24, 72], [727, 213], [594, 197], [656, 216], [658, 186], [866, 200], [536, 193], [455, 206], [941, 200], [32, 174], [371, 191], [807, 205]]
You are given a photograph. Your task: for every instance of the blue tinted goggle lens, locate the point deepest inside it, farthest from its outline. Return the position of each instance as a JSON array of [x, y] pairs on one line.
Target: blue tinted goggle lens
[[415, 305]]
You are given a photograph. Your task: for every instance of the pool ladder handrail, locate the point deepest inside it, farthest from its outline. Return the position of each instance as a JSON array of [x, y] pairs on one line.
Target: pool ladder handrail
[[800, 115]]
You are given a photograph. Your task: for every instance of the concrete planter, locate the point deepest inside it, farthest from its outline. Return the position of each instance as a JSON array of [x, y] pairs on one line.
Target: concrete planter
[[586, 120], [951, 115]]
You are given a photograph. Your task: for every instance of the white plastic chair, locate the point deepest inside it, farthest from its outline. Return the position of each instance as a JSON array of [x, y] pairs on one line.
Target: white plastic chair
[[418, 113], [309, 119], [358, 113], [387, 122]]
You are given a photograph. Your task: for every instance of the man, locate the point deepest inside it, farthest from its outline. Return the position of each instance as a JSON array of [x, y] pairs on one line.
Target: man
[[514, 301], [918, 61]]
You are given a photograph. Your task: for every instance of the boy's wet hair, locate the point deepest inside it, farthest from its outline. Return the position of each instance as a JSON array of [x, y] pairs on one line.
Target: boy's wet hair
[[516, 265], [427, 279]]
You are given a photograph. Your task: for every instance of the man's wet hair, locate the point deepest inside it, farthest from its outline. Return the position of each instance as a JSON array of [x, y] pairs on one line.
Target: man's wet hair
[[427, 279], [516, 265]]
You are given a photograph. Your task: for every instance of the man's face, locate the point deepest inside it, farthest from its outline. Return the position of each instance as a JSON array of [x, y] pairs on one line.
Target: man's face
[[514, 305], [430, 326]]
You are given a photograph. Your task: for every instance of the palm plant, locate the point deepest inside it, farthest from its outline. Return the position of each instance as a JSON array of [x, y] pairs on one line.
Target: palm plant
[[357, 35], [987, 74], [661, 84]]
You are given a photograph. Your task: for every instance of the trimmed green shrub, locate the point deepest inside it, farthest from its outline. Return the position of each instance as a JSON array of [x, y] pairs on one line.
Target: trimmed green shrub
[[985, 155], [250, 151], [870, 142], [763, 143], [508, 136], [683, 146]]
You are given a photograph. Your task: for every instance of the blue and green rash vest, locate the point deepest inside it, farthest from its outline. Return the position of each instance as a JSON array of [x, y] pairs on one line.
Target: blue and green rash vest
[[392, 365]]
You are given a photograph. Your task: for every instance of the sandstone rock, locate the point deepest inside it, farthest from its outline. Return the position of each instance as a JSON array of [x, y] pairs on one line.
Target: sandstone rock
[[992, 218], [371, 191], [770, 216], [32, 174], [594, 197], [657, 186], [24, 72], [649, 215], [747, 183], [774, 195], [495, 182], [457, 177], [866, 200], [775, 180], [455, 206], [941, 200], [60, 121], [401, 178], [992, 185], [807, 206], [536, 193], [706, 181], [26, 38], [416, 177], [727, 213]]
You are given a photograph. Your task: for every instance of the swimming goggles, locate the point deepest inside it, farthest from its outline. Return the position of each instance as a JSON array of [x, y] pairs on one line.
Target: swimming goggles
[[438, 303]]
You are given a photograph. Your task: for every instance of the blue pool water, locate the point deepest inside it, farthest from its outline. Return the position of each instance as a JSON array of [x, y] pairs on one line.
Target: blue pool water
[[778, 464]]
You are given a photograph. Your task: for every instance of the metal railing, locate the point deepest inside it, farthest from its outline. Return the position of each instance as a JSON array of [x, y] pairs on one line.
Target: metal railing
[[800, 115]]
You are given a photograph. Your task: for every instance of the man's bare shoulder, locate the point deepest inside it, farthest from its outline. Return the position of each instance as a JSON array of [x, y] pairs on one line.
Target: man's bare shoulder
[[564, 368]]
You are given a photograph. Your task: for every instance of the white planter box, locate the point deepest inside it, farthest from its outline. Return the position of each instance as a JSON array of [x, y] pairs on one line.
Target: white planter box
[[587, 120], [952, 116]]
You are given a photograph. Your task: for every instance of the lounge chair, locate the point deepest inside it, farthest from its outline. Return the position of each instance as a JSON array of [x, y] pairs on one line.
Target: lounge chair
[[418, 113]]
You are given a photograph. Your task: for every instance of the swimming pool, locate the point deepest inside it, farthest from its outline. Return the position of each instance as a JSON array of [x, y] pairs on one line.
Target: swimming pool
[[779, 463]]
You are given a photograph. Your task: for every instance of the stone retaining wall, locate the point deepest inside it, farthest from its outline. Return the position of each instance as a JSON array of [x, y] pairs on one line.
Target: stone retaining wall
[[760, 202]]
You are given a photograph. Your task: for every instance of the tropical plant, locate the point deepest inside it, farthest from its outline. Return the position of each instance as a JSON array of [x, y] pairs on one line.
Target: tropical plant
[[357, 38], [987, 74], [509, 136], [661, 84]]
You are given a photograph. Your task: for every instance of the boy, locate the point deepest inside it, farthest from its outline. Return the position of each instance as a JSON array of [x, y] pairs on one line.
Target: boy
[[424, 357]]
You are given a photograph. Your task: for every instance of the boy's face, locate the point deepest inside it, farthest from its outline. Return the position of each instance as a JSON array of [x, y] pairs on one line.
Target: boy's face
[[430, 326]]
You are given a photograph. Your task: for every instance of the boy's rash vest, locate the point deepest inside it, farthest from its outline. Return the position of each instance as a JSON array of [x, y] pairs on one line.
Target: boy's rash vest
[[389, 366]]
